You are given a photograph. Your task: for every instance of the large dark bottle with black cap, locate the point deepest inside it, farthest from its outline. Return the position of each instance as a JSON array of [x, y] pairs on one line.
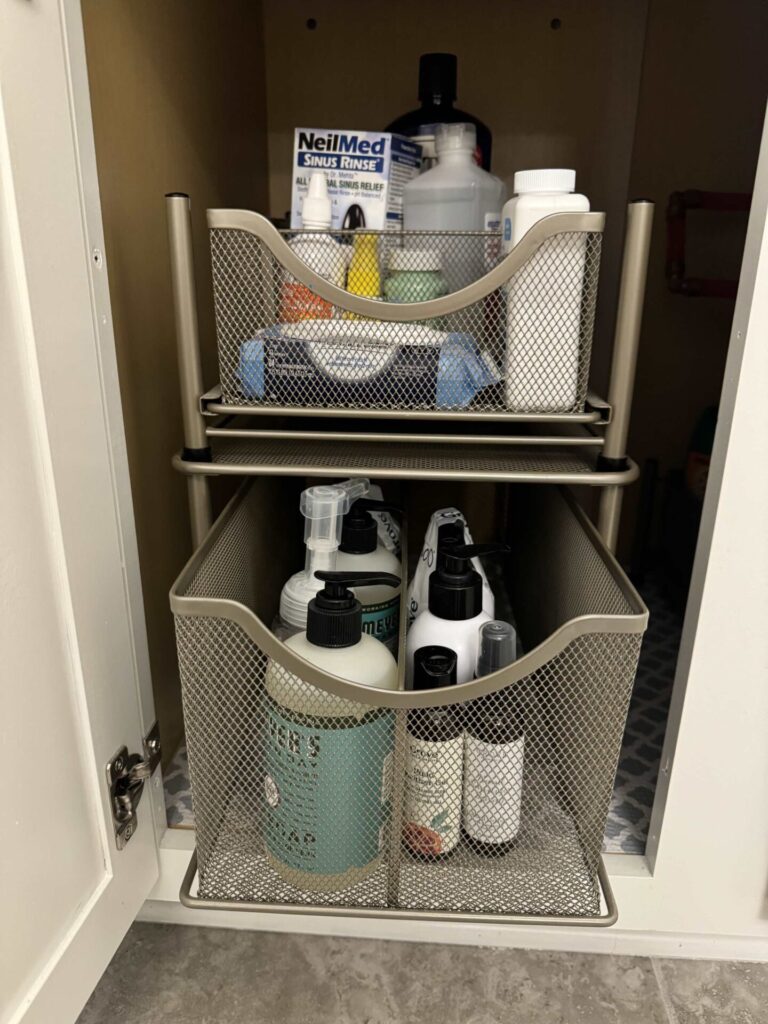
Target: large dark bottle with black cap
[[360, 550], [455, 608], [494, 751], [326, 791], [434, 762], [437, 93]]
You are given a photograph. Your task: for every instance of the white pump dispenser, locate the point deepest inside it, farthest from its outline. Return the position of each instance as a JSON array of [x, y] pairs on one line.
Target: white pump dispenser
[[323, 508]]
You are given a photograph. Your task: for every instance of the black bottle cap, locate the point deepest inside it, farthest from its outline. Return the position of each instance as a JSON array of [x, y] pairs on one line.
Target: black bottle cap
[[354, 218], [434, 667], [437, 77], [334, 615], [455, 588], [497, 647], [359, 535]]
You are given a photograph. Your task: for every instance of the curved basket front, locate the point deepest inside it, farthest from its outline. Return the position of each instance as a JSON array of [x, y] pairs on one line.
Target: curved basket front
[[259, 723]]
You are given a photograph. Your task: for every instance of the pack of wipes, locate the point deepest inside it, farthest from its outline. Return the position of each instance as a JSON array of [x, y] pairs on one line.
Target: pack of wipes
[[366, 174]]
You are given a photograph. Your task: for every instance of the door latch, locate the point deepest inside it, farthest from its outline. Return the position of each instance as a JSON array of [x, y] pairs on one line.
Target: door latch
[[126, 775]]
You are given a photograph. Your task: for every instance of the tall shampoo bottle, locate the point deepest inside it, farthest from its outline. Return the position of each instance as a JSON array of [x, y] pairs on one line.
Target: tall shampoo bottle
[[328, 758], [544, 298], [454, 609], [362, 550], [434, 762], [494, 751]]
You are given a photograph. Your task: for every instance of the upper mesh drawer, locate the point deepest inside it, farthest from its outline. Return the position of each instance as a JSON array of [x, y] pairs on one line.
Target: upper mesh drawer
[[468, 329]]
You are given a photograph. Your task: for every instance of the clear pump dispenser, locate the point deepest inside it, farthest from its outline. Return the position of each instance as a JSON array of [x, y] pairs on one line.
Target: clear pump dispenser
[[323, 508]]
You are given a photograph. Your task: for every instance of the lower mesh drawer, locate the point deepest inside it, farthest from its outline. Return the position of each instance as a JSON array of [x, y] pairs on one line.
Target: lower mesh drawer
[[314, 793]]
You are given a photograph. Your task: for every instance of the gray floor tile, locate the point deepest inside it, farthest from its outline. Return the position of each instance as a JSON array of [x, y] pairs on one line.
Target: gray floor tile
[[207, 976], [716, 991]]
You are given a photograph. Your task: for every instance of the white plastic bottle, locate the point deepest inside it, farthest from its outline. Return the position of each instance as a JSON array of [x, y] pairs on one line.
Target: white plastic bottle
[[544, 298], [454, 611], [361, 550], [321, 252], [326, 758], [323, 508], [456, 195]]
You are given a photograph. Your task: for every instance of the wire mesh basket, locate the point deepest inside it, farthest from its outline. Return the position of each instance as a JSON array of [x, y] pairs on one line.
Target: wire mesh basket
[[311, 793], [438, 322]]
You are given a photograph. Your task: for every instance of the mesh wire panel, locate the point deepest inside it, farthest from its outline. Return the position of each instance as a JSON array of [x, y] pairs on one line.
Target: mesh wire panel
[[525, 348], [495, 805]]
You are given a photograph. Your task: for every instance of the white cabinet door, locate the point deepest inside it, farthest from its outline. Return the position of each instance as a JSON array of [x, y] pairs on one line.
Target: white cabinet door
[[75, 680]]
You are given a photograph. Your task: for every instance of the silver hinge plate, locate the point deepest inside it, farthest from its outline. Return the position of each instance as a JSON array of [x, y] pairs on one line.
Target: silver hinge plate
[[126, 775]]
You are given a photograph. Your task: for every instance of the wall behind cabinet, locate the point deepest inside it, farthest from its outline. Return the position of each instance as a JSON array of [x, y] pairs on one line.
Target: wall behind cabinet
[[177, 92]]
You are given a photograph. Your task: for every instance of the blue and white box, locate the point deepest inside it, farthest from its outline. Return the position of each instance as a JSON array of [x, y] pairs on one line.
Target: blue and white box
[[364, 169]]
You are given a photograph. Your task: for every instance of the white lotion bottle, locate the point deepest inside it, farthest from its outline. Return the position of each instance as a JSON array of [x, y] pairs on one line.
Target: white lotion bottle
[[316, 247], [545, 296], [361, 550], [327, 758], [456, 195], [323, 508], [454, 611]]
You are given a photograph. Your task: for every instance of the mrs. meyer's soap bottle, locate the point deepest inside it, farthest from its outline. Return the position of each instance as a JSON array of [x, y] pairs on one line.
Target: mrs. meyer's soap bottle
[[326, 780]]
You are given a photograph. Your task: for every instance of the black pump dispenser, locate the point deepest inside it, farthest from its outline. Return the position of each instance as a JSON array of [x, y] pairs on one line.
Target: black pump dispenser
[[359, 535], [334, 615], [455, 588]]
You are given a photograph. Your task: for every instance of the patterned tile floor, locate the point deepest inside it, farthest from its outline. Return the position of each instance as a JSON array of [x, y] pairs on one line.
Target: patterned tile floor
[[629, 816]]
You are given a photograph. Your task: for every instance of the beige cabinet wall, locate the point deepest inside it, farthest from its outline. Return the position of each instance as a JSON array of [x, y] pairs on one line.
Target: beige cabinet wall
[[700, 119], [556, 97], [177, 91]]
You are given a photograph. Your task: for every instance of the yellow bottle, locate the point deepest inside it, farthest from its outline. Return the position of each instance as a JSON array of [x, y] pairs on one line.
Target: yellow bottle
[[363, 277]]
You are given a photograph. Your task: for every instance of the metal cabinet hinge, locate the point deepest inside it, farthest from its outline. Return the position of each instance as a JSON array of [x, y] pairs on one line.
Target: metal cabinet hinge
[[126, 775]]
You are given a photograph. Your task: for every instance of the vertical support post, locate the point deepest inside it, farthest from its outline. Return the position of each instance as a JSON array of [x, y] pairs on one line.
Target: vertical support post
[[629, 318], [196, 447]]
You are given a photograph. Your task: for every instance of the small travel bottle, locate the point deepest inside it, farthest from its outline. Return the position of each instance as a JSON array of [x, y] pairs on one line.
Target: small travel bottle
[[434, 762], [494, 750]]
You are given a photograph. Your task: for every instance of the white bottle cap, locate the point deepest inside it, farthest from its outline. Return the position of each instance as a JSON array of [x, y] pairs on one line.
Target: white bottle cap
[[316, 208], [549, 179], [453, 137], [414, 259]]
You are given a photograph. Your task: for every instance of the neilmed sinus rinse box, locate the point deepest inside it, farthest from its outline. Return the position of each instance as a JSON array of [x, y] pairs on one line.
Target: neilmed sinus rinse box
[[368, 170]]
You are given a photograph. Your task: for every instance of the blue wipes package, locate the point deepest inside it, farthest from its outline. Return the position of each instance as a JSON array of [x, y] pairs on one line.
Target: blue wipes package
[[336, 362]]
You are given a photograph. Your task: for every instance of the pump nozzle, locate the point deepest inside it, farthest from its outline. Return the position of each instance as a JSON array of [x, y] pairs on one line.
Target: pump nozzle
[[455, 588], [334, 616], [359, 534], [456, 557], [337, 582], [323, 508]]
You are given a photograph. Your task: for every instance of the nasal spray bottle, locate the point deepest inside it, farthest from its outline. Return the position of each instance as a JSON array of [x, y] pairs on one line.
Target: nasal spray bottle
[[326, 789], [323, 508]]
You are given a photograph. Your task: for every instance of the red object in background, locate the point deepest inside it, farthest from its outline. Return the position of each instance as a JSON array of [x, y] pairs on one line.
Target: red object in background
[[678, 206]]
